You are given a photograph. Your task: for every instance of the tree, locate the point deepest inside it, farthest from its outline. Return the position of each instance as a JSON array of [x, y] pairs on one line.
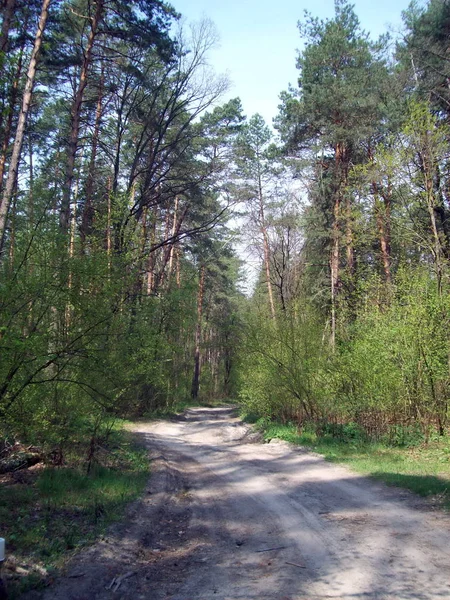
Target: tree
[[18, 141], [332, 116], [256, 166], [423, 57]]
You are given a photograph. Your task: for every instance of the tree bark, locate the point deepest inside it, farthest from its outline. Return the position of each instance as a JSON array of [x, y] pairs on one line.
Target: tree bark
[[18, 141], [11, 109], [174, 229], [266, 247], [349, 241], [428, 167], [437, 249], [335, 239], [383, 217], [8, 12], [167, 252], [75, 115], [334, 266], [88, 210], [198, 333]]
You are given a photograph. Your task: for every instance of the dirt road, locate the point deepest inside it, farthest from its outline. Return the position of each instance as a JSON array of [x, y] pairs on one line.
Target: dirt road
[[227, 519]]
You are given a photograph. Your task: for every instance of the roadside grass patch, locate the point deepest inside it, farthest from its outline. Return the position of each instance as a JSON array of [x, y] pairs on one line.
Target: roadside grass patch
[[48, 513], [423, 469]]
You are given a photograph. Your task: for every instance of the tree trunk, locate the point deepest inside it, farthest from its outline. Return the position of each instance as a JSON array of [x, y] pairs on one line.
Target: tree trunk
[[383, 217], [335, 239], [437, 249], [349, 242], [334, 266], [167, 251], [9, 122], [266, 248], [198, 332], [172, 245], [108, 225], [18, 141], [75, 115], [7, 13], [30, 215], [151, 257], [178, 268], [88, 210], [427, 172]]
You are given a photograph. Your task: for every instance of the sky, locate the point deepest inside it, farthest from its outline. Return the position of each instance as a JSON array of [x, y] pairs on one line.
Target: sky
[[259, 41], [258, 46]]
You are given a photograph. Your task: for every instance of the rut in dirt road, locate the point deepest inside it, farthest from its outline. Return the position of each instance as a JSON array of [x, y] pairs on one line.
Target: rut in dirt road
[[229, 519]]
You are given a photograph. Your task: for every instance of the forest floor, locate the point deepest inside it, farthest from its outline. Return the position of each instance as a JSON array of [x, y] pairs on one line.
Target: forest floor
[[226, 517]]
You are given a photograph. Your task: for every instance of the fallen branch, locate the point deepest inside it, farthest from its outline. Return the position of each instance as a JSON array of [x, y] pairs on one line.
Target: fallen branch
[[296, 565], [117, 581], [269, 549], [20, 460]]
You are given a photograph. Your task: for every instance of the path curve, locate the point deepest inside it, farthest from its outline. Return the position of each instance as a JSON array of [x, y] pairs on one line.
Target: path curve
[[226, 518]]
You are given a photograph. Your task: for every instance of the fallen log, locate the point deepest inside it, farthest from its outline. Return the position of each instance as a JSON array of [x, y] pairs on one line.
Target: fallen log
[[19, 460]]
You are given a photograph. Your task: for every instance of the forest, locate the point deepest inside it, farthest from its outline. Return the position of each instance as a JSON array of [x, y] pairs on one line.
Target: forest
[[127, 186]]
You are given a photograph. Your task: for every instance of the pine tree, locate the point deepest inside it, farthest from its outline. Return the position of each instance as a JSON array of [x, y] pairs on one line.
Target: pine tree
[[331, 117]]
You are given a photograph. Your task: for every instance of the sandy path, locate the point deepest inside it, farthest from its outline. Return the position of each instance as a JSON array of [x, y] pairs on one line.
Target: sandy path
[[226, 519]]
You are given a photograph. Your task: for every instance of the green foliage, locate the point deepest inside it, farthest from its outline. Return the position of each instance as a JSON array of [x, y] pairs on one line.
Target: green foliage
[[404, 436], [388, 378], [422, 51], [283, 364]]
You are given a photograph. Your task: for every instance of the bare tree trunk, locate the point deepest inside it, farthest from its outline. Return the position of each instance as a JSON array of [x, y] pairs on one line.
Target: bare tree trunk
[[88, 210], [18, 141], [12, 242], [151, 258], [382, 215], [382, 211], [198, 333], [266, 248], [169, 248], [172, 245], [75, 115], [178, 270], [428, 166], [335, 239], [108, 225], [334, 266], [30, 215], [437, 248], [9, 122], [349, 242], [8, 12]]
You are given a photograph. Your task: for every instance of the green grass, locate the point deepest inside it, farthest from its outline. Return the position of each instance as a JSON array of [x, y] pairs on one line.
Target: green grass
[[45, 518], [423, 469]]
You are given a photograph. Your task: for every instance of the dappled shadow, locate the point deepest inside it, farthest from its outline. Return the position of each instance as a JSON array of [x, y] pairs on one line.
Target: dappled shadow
[[425, 485], [240, 521]]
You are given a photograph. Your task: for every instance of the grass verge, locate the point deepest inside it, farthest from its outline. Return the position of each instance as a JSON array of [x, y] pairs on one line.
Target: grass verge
[[423, 469], [47, 514]]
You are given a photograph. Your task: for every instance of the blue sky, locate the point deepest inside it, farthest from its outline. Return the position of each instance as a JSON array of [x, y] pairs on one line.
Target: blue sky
[[259, 39]]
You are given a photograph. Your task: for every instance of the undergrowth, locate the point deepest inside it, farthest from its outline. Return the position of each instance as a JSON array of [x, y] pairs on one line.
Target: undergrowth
[[45, 515], [402, 458]]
